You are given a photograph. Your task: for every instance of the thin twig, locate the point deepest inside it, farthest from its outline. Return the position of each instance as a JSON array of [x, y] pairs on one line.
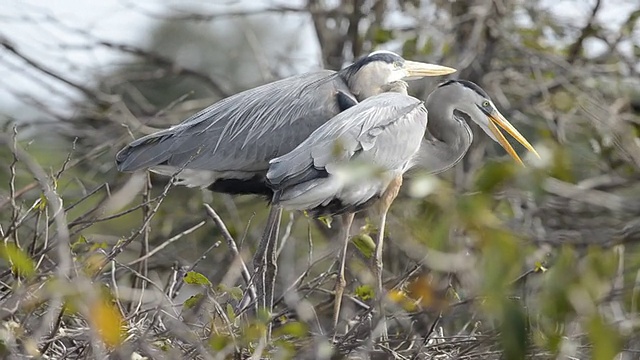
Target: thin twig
[[234, 249], [167, 243]]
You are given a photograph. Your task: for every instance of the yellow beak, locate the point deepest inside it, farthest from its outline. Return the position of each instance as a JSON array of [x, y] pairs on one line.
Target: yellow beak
[[498, 119], [419, 70]]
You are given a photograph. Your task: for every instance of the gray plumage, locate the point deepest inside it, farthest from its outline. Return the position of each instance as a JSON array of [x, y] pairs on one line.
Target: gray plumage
[[227, 146], [352, 158], [390, 133], [235, 136], [361, 155]]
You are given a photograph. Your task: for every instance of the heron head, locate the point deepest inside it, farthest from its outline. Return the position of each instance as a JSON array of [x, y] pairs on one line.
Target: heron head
[[370, 75], [472, 100]]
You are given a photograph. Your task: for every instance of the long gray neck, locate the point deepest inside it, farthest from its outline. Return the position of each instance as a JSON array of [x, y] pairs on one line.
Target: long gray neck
[[446, 140], [365, 81]]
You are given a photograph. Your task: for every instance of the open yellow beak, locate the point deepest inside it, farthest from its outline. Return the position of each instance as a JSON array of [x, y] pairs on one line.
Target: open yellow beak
[[498, 119], [418, 70]]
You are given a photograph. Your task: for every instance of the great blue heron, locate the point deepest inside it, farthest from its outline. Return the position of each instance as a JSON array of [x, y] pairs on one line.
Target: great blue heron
[[361, 154], [227, 146]]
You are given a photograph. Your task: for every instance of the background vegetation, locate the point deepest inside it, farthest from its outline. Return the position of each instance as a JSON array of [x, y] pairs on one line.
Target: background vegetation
[[489, 260]]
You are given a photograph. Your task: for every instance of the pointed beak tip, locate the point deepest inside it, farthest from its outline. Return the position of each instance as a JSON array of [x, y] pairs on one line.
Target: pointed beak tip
[[418, 69], [536, 153], [442, 70]]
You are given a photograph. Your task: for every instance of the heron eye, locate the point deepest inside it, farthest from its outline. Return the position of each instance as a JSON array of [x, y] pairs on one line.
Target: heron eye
[[397, 64], [485, 104]]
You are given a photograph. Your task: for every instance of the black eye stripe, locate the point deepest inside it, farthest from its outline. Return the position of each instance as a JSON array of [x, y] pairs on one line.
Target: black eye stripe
[[484, 109]]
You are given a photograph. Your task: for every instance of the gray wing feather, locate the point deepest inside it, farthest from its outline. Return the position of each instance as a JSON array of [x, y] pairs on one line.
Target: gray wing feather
[[358, 131], [244, 131]]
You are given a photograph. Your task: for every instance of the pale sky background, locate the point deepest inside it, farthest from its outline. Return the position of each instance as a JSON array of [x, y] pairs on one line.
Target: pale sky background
[[35, 27]]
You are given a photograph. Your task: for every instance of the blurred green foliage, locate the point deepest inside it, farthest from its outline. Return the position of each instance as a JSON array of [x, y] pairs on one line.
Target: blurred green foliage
[[537, 260]]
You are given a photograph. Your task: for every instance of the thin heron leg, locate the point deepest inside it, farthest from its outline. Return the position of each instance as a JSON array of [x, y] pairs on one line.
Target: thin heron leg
[[272, 263], [264, 262], [385, 203], [341, 282]]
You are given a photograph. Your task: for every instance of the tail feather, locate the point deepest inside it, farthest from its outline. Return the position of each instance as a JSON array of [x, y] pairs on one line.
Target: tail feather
[[143, 153]]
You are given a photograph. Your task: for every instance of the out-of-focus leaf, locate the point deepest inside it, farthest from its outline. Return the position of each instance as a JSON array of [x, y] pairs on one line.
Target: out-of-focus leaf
[[602, 262], [562, 101], [78, 244], [493, 174], [107, 321], [447, 47], [231, 313], [94, 263], [605, 339], [99, 245], [381, 36], [424, 290], [295, 329], [192, 301], [558, 280], [427, 49], [561, 167], [513, 334], [630, 24], [195, 278], [502, 257], [236, 293], [365, 292], [365, 244], [263, 316], [21, 263], [399, 297], [254, 331], [475, 211], [409, 47], [219, 341]]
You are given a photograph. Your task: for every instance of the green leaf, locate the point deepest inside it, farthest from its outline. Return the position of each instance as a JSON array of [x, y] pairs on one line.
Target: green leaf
[[195, 278], [21, 263], [365, 292], [514, 331], [365, 244], [326, 220], [381, 36], [236, 292], [100, 245], [263, 315], [493, 175], [605, 339], [539, 267], [230, 313], [295, 329], [41, 203], [78, 244], [218, 341], [192, 301], [409, 47]]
